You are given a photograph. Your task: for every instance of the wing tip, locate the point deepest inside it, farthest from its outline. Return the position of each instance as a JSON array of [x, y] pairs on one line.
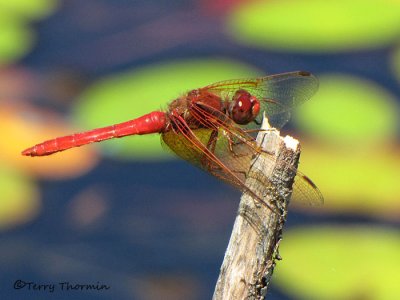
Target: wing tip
[[312, 76], [305, 73], [321, 199]]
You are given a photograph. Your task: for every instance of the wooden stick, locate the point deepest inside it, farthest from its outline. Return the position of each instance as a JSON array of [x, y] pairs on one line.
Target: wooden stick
[[253, 247]]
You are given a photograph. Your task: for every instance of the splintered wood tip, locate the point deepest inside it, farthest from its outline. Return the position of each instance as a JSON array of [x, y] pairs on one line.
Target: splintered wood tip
[[265, 124], [291, 143]]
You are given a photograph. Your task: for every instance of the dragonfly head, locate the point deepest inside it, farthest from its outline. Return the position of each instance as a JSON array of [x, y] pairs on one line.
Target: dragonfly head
[[244, 107]]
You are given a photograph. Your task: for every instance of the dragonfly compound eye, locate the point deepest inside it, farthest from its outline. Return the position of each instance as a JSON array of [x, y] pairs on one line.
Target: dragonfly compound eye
[[244, 107]]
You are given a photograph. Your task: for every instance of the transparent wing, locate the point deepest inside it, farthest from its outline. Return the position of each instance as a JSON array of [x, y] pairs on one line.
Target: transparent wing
[[201, 147], [305, 191], [185, 149], [224, 150]]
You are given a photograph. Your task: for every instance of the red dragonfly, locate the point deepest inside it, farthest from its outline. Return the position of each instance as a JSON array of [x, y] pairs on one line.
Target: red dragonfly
[[211, 127]]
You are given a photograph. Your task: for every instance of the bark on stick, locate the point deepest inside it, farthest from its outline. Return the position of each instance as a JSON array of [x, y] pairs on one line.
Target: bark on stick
[[253, 247]]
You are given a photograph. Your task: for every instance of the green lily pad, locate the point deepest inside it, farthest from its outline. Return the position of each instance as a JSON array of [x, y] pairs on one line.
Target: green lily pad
[[16, 40], [31, 9], [333, 262], [316, 25], [355, 180], [349, 110], [19, 198], [352, 126], [123, 97]]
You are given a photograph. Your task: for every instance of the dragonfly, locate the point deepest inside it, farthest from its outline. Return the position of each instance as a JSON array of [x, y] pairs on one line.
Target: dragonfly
[[213, 127]]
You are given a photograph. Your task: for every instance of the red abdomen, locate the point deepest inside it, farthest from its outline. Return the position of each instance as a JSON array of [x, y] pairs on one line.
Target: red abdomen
[[153, 122]]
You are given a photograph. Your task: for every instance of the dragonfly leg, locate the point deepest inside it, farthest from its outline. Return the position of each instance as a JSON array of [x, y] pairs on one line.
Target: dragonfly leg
[[211, 144], [254, 130], [258, 130], [232, 144], [262, 142]]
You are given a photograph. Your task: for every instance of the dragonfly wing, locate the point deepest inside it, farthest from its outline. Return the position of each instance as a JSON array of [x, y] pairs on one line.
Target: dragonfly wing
[[194, 146], [305, 192], [226, 151], [278, 94], [185, 149], [236, 149]]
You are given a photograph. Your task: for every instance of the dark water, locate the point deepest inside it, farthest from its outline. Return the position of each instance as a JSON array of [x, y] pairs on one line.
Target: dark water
[[166, 225]]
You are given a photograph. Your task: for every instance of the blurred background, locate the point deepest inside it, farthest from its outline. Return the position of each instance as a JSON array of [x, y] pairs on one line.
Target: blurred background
[[126, 213]]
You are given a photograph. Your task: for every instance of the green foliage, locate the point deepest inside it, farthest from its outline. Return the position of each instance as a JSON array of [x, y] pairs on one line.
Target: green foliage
[[18, 197], [316, 25], [349, 110], [333, 262], [16, 37]]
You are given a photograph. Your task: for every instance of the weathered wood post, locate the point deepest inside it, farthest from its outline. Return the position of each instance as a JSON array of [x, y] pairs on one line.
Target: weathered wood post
[[253, 247]]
